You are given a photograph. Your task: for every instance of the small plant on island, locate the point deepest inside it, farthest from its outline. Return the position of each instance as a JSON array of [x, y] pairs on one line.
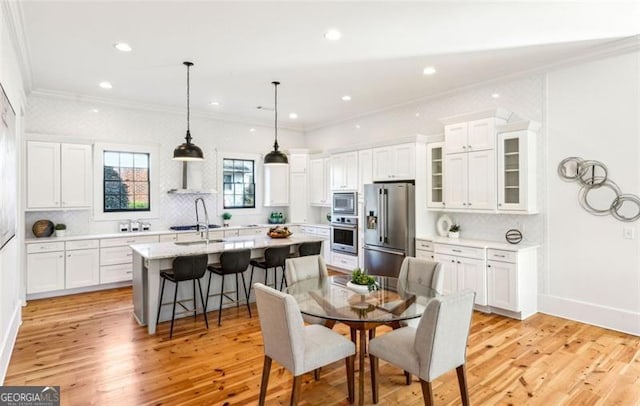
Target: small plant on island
[[360, 277], [60, 227], [455, 228]]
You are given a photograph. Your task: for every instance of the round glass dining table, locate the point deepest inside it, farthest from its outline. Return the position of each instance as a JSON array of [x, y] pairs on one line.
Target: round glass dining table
[[333, 300]]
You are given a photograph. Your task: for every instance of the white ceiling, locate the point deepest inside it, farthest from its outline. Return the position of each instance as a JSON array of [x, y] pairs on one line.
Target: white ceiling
[[240, 47]]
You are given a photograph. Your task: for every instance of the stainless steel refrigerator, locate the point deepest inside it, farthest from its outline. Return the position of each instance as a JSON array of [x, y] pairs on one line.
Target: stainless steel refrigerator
[[389, 227]]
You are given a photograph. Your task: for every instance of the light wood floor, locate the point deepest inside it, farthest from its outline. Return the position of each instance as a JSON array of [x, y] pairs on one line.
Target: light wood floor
[[90, 345]]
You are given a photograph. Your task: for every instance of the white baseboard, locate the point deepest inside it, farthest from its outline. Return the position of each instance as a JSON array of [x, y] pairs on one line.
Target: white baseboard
[[615, 319], [9, 340]]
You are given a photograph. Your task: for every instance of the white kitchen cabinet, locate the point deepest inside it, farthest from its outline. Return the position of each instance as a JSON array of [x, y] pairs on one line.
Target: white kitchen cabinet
[[395, 162], [319, 182], [116, 257], [82, 268], [298, 162], [58, 175], [276, 185], [424, 249], [464, 268], [435, 182], [365, 170], [517, 170], [168, 238], [45, 267], [512, 281], [344, 171], [344, 261], [261, 231], [472, 135], [470, 180], [230, 233], [299, 200]]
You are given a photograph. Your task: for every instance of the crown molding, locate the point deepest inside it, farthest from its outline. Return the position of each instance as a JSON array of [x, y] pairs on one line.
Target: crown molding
[[14, 18], [156, 108], [607, 50]]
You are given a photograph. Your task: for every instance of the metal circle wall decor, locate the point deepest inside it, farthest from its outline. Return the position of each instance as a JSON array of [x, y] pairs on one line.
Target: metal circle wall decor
[[513, 236], [585, 175]]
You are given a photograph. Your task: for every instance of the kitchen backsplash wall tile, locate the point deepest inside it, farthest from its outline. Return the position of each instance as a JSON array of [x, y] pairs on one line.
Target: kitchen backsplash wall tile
[[67, 120]]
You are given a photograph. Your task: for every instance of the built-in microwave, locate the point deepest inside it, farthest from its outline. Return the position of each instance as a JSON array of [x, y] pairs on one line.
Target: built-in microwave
[[344, 204]]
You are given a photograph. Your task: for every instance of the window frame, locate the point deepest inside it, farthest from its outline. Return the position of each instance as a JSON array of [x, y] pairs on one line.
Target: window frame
[[258, 179], [99, 214], [253, 174], [134, 181]]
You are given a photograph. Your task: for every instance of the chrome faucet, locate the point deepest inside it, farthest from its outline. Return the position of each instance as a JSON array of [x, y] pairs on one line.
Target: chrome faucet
[[206, 218]]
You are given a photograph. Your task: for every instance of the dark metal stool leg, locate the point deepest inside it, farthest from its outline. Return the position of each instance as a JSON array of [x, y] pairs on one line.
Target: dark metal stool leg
[[173, 313], [206, 306], [160, 302], [248, 292], [202, 300], [245, 289], [221, 296], [237, 293], [195, 301]]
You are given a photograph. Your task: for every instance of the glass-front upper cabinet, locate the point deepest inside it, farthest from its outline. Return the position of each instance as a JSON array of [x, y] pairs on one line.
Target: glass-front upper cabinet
[[517, 170], [435, 184]]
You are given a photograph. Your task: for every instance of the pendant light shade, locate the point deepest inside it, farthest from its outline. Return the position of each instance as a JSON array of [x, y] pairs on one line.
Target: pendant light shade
[[188, 151], [276, 157]]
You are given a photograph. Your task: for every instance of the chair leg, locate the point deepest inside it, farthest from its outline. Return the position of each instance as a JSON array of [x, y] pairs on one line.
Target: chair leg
[[462, 381], [160, 302], [206, 322], [295, 390], [407, 378], [173, 313], [221, 297], [316, 374], [372, 334], [373, 365], [245, 289], [266, 367], [427, 392], [350, 363], [352, 331], [195, 301]]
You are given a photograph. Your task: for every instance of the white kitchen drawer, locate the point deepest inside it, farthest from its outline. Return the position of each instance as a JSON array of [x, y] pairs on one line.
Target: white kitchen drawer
[[503, 256], [116, 273], [140, 239], [45, 247], [424, 254], [253, 231], [82, 244], [460, 251], [343, 261], [324, 232], [229, 233], [424, 245], [197, 236], [168, 238], [116, 255]]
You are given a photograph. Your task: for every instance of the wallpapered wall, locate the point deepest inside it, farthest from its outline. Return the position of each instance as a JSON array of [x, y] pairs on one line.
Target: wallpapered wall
[[73, 121]]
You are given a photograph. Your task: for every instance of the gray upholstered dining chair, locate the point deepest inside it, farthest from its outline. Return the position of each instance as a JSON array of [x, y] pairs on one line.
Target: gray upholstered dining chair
[[438, 345], [298, 348], [304, 268], [423, 272]]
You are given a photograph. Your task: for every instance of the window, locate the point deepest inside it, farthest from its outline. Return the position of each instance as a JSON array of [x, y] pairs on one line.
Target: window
[[126, 181], [238, 183]]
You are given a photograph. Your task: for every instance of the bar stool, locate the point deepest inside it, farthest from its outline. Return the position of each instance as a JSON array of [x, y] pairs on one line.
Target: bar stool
[[304, 250], [231, 262], [185, 268], [274, 257]]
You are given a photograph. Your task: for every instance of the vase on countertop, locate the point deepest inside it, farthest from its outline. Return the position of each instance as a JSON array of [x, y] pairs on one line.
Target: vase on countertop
[[61, 233], [454, 234]]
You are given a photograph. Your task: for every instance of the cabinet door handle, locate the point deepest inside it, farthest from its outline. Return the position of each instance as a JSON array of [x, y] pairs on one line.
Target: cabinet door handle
[[469, 146], [458, 261], [464, 204], [464, 147], [468, 204], [499, 204], [488, 266], [453, 260], [68, 255], [61, 256]]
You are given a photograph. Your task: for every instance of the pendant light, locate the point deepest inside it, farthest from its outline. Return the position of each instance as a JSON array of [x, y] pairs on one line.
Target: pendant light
[[276, 157], [188, 151]]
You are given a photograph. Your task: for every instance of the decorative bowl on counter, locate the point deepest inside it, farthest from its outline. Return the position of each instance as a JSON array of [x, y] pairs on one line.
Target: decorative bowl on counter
[[42, 228], [279, 232]]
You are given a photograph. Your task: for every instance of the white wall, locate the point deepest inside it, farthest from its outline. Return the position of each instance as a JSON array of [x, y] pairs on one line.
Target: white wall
[[10, 276], [593, 273], [66, 120]]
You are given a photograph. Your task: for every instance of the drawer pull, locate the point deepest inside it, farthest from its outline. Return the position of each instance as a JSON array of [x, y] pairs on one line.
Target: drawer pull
[[130, 241], [130, 254], [456, 250], [129, 272], [498, 255]]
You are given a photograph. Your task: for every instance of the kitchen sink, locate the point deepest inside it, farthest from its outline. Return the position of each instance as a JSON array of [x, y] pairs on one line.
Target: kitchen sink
[[199, 242]]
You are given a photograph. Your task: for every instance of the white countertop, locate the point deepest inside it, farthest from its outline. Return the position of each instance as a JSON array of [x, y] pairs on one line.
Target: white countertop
[[162, 250], [499, 245], [75, 237]]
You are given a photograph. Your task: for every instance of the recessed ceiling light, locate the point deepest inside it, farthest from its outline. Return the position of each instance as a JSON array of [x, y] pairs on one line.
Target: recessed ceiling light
[[429, 70], [333, 34], [94, 111], [252, 130], [214, 103], [293, 116], [417, 114], [123, 46], [495, 95], [357, 126], [346, 97], [105, 85]]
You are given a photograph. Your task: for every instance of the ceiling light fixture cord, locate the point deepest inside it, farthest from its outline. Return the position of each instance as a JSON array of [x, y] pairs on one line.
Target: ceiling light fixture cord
[[188, 137], [275, 144]]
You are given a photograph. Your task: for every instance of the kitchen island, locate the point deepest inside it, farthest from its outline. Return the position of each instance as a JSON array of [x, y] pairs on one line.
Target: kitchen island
[[150, 259]]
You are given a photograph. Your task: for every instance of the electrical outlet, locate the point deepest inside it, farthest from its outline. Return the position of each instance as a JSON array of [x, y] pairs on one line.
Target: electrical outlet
[[628, 233]]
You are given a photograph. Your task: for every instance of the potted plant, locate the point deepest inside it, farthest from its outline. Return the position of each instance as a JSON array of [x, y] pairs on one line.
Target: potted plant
[[454, 231], [361, 282], [226, 216], [61, 230]]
